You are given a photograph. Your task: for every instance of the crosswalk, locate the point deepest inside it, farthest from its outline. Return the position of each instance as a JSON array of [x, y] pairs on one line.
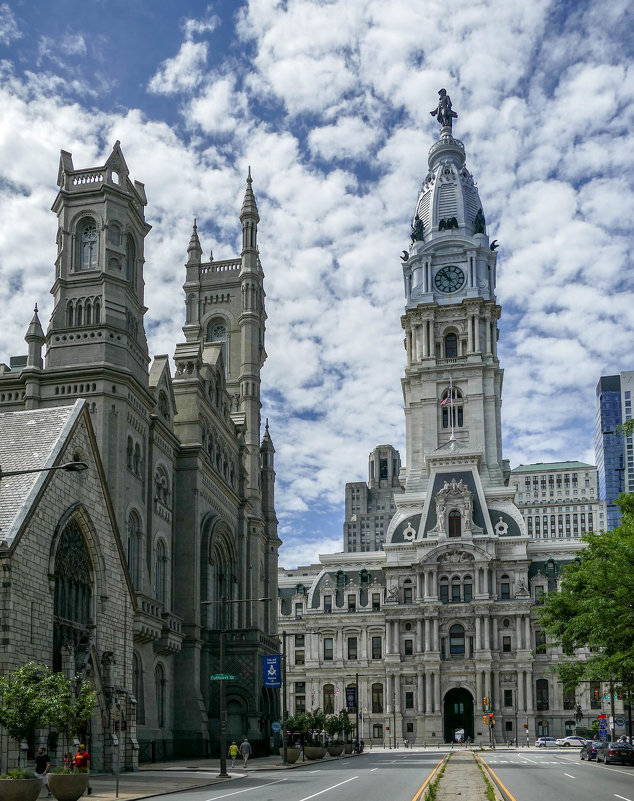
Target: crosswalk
[[522, 762]]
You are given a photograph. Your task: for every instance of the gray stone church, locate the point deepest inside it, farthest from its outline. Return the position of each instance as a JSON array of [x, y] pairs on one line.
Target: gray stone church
[[187, 472]]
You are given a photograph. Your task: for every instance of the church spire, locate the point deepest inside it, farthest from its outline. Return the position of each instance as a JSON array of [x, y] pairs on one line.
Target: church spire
[[35, 339], [194, 249]]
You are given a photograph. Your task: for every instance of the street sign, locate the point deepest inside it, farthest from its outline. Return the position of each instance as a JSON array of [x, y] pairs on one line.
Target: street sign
[[272, 670], [222, 677], [620, 721], [275, 726]]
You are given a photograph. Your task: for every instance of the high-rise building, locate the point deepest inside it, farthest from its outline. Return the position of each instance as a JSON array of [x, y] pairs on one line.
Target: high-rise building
[[559, 500], [190, 475], [441, 625], [614, 452], [369, 507]]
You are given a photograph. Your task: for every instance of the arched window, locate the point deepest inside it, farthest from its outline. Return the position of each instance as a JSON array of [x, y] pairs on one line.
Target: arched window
[[505, 588], [159, 685], [97, 311], [160, 572], [89, 246], [131, 259], [443, 587], [78, 314], [377, 699], [455, 590], [137, 688], [88, 313], [70, 317], [454, 521], [129, 453], [451, 346], [163, 406], [467, 589], [329, 699], [453, 409], [134, 537], [217, 332], [456, 639], [72, 605], [137, 459]]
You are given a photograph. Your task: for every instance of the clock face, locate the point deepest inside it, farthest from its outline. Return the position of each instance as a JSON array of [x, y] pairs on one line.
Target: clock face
[[449, 279]]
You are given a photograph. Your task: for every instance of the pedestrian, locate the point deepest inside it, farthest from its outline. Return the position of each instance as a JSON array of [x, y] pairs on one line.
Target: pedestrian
[[233, 753], [42, 766], [69, 760], [82, 763], [245, 750]]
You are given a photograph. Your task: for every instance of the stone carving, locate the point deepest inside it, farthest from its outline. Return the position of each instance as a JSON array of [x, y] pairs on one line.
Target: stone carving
[[392, 594], [455, 495], [418, 230], [443, 112], [410, 533], [479, 222], [501, 528], [521, 589], [447, 223]]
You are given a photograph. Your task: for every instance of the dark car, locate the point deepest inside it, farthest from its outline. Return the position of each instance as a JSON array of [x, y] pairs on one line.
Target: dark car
[[615, 752], [589, 750]]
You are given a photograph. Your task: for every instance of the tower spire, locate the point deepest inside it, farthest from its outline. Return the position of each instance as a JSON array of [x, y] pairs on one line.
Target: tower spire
[[194, 249]]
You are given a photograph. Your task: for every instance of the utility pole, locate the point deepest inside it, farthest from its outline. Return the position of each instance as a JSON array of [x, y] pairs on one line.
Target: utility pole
[[356, 705], [284, 710]]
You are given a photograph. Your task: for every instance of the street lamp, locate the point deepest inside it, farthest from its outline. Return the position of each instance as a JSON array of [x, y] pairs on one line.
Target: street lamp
[[69, 467], [222, 698]]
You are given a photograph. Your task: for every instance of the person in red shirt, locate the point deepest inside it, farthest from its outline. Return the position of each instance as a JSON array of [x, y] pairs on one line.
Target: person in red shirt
[[82, 763]]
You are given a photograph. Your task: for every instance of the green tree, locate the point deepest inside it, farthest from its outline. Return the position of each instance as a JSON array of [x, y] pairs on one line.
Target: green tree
[[71, 702], [24, 705], [594, 607]]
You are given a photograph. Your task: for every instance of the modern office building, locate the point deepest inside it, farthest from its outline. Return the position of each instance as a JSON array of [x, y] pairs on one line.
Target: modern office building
[[559, 500], [441, 624], [188, 469], [614, 452], [369, 507]]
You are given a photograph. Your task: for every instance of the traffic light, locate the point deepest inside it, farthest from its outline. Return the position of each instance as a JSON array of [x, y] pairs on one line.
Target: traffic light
[[596, 695], [526, 725], [485, 702], [485, 720]]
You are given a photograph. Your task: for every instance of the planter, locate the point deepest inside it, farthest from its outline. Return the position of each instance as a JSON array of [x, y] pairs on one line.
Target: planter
[[292, 754], [314, 752], [335, 750], [68, 787], [347, 748], [20, 789]]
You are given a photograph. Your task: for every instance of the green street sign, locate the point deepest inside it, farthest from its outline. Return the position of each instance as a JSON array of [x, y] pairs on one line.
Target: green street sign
[[222, 677]]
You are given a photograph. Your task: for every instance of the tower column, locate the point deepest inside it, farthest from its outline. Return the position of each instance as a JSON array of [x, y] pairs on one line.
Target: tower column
[[419, 636]]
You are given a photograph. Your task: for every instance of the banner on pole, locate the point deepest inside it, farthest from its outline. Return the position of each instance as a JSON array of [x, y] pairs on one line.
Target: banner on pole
[[351, 697], [272, 670]]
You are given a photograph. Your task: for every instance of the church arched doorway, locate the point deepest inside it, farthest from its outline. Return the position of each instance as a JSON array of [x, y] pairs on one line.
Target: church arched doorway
[[458, 715]]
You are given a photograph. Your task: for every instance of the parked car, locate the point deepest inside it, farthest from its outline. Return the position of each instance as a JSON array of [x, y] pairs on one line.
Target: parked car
[[572, 740], [543, 742], [589, 750], [615, 752]]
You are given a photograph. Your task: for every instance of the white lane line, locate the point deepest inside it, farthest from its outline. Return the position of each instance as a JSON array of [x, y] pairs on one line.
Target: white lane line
[[246, 790], [621, 796], [334, 786], [313, 771], [371, 769], [569, 776]]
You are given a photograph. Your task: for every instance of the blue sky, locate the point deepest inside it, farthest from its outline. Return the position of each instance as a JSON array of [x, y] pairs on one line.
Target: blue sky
[[329, 103]]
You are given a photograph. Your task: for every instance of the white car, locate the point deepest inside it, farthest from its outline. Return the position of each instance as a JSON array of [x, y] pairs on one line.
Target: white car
[[573, 740], [544, 742]]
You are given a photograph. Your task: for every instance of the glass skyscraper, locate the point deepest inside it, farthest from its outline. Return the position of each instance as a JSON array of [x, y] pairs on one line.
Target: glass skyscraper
[[609, 445]]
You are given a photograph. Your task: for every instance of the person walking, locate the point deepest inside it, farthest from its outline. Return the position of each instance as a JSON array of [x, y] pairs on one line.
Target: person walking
[[82, 763], [233, 753], [42, 766], [245, 750]]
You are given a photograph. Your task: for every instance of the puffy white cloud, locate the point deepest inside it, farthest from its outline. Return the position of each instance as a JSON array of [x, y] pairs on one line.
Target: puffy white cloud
[[183, 72]]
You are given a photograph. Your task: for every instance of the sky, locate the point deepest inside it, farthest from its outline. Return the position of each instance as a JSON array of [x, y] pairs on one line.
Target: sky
[[328, 102]]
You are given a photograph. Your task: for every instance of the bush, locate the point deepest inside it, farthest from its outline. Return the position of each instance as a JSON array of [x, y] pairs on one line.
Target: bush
[[18, 773], [62, 770]]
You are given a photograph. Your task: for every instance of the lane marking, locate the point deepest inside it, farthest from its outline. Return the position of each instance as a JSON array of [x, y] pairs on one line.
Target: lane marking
[[246, 790], [371, 769], [569, 776], [428, 779], [497, 779], [334, 786], [621, 796]]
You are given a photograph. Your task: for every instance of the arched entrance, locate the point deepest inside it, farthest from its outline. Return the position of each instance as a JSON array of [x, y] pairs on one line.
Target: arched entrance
[[458, 714]]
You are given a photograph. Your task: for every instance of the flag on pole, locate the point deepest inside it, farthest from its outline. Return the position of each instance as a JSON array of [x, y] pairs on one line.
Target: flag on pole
[[337, 691], [446, 400]]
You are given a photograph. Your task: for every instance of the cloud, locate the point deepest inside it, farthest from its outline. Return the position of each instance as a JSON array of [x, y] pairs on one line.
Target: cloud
[[9, 30], [183, 72]]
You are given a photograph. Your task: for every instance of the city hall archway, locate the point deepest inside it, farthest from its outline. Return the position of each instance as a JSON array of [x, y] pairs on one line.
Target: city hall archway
[[457, 714]]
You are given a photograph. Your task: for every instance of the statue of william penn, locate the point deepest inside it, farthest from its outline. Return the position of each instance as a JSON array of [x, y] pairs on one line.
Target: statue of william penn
[[443, 112]]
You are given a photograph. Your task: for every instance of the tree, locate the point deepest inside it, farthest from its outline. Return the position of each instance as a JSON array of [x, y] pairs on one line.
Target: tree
[[594, 608], [23, 703], [71, 704]]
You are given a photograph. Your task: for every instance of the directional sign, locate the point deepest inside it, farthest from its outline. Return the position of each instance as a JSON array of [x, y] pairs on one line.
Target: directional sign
[[222, 677], [272, 670], [275, 726]]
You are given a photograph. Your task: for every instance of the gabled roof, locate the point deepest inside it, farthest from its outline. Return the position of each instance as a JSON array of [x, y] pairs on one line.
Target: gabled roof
[[28, 440]]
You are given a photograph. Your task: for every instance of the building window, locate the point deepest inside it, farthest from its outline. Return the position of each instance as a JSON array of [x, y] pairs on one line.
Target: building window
[[352, 647], [137, 688], [376, 648], [508, 697], [452, 411], [409, 700], [89, 247], [299, 641], [408, 595], [451, 346], [131, 259], [540, 642], [300, 703], [408, 646], [328, 649], [541, 694], [376, 601], [569, 700], [159, 684], [456, 639], [327, 603], [506, 645], [299, 610], [444, 590], [160, 572], [134, 537], [454, 520], [377, 731], [455, 591], [467, 589], [329, 699], [352, 603], [377, 699], [505, 588]]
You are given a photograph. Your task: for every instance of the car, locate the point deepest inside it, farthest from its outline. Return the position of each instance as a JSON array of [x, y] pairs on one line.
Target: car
[[615, 752], [589, 750], [543, 742], [572, 740]]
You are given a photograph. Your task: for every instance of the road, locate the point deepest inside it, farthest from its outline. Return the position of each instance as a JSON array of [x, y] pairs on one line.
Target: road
[[369, 777], [559, 775]]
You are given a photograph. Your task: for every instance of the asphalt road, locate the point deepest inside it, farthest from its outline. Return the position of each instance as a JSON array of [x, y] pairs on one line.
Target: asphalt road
[[369, 777], [559, 775]]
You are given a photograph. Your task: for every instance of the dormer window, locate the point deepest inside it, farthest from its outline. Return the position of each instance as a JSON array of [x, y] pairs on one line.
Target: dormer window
[[454, 520]]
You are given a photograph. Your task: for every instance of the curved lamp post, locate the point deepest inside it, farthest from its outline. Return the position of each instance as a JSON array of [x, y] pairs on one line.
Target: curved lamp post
[[69, 467]]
